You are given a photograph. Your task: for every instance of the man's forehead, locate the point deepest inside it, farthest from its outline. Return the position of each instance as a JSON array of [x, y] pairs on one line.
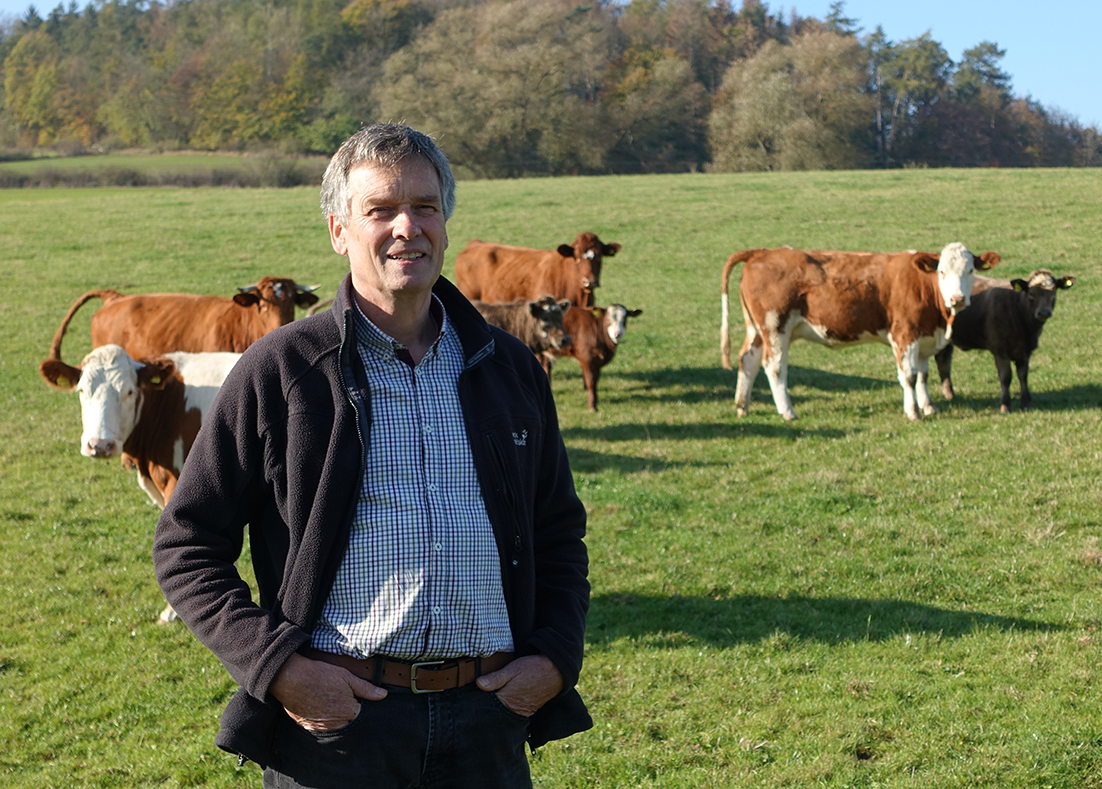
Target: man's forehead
[[411, 179]]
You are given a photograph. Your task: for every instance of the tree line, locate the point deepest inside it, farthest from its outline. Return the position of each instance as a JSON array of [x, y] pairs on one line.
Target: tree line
[[523, 87]]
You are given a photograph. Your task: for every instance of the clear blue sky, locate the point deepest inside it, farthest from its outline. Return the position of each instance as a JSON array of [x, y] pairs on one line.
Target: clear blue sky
[[1051, 50]]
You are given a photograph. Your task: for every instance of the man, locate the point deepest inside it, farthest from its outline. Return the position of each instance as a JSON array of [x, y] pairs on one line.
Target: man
[[414, 528]]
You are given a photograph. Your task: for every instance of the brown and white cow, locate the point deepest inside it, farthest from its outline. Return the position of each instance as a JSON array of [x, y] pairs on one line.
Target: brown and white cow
[[907, 300], [1007, 321], [500, 273], [539, 324], [147, 412], [595, 333], [147, 324]]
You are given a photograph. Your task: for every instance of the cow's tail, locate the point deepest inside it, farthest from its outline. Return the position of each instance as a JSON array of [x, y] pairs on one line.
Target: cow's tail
[[725, 305], [105, 295]]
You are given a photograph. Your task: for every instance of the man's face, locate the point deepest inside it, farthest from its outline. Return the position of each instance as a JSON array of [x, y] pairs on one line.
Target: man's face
[[395, 237]]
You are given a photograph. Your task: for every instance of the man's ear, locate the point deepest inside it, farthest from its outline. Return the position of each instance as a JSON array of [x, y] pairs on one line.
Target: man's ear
[[336, 236]]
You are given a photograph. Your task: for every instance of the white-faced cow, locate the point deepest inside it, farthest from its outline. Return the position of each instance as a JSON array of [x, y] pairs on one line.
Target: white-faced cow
[[907, 300], [499, 273], [147, 412], [1006, 321], [147, 324], [594, 333], [539, 324]]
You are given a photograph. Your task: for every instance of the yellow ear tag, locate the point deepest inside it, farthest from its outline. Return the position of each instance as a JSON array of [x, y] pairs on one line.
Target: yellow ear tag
[[596, 313], [62, 381], [156, 379]]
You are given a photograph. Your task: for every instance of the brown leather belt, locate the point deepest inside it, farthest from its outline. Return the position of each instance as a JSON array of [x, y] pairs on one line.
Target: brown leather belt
[[420, 676]]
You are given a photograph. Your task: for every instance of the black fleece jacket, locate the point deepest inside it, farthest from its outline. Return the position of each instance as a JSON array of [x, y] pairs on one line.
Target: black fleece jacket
[[282, 452]]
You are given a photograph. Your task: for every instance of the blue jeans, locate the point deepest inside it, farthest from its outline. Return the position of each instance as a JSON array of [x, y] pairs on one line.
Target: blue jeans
[[463, 738]]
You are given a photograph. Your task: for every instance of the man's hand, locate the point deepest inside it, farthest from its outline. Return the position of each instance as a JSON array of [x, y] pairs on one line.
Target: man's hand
[[319, 696], [524, 685]]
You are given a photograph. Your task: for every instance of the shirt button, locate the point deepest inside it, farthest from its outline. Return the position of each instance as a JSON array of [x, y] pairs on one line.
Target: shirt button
[[438, 546], [436, 609], [432, 488]]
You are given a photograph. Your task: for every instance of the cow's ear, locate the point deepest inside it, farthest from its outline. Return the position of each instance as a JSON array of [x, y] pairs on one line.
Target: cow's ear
[[566, 250], [1063, 283], [610, 249], [304, 297], [156, 372], [634, 313], [1019, 285], [564, 305], [245, 299], [535, 308], [987, 261], [59, 375], [924, 261]]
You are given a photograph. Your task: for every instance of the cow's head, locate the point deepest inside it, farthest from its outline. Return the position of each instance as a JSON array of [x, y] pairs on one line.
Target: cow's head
[[549, 315], [277, 297], [616, 321], [111, 387], [956, 268], [1040, 291], [587, 252]]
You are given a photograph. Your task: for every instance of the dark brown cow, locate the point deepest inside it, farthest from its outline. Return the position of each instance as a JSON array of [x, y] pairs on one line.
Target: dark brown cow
[[1007, 321], [595, 333], [148, 324], [147, 411], [907, 300], [499, 273], [539, 324]]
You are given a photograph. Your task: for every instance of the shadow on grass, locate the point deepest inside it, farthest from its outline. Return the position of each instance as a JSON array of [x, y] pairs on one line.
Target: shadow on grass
[[641, 431], [1074, 398], [725, 622]]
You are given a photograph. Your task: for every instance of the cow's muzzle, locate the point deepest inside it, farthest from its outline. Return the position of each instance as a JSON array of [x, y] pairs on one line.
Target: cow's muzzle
[[100, 448]]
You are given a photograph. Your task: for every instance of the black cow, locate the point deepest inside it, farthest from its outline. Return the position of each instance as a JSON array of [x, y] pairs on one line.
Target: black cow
[[1007, 322]]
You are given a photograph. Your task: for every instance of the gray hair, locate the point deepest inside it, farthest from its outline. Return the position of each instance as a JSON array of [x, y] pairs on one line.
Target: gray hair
[[384, 145]]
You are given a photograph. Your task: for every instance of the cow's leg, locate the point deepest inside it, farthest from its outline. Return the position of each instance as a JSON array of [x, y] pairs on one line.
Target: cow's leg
[[591, 372], [1023, 379], [748, 365], [1002, 367], [775, 361], [944, 361], [907, 369], [922, 392]]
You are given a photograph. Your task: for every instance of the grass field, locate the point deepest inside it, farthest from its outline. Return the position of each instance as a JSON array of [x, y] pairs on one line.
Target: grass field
[[848, 600]]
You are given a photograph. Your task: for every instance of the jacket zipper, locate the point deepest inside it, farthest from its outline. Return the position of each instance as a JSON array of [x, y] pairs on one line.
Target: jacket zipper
[[508, 492]]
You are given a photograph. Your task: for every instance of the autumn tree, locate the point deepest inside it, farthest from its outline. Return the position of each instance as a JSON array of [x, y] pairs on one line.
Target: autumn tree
[[792, 107], [508, 87]]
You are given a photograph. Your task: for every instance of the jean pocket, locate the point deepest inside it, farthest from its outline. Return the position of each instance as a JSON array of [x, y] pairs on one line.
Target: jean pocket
[[505, 709]]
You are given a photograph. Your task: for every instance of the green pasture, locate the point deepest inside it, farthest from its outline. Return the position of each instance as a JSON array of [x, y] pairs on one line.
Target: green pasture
[[848, 600]]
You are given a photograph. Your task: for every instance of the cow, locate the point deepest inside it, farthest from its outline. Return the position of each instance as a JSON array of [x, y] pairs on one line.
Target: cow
[[1008, 323], [499, 273], [147, 411], [595, 333], [148, 324], [538, 323], [907, 300]]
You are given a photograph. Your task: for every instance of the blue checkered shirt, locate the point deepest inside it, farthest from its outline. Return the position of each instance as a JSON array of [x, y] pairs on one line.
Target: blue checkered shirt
[[421, 577]]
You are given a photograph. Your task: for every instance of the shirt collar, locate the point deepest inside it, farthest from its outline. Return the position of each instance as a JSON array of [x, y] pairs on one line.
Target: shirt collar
[[374, 340]]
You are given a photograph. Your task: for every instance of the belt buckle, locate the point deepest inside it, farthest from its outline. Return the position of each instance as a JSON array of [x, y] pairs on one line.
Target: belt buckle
[[413, 676]]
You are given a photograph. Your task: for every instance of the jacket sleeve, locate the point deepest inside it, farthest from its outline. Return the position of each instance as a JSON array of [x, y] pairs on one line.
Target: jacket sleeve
[[200, 534], [560, 557]]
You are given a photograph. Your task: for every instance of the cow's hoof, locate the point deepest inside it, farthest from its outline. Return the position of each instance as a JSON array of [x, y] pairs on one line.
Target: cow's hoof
[[790, 416], [1004, 409], [914, 416], [168, 615], [947, 390], [740, 411], [929, 410]]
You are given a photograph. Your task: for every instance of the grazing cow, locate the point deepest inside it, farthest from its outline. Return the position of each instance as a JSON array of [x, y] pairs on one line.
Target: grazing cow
[[594, 333], [1007, 322], [148, 324], [148, 412], [499, 273], [907, 300], [538, 323]]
